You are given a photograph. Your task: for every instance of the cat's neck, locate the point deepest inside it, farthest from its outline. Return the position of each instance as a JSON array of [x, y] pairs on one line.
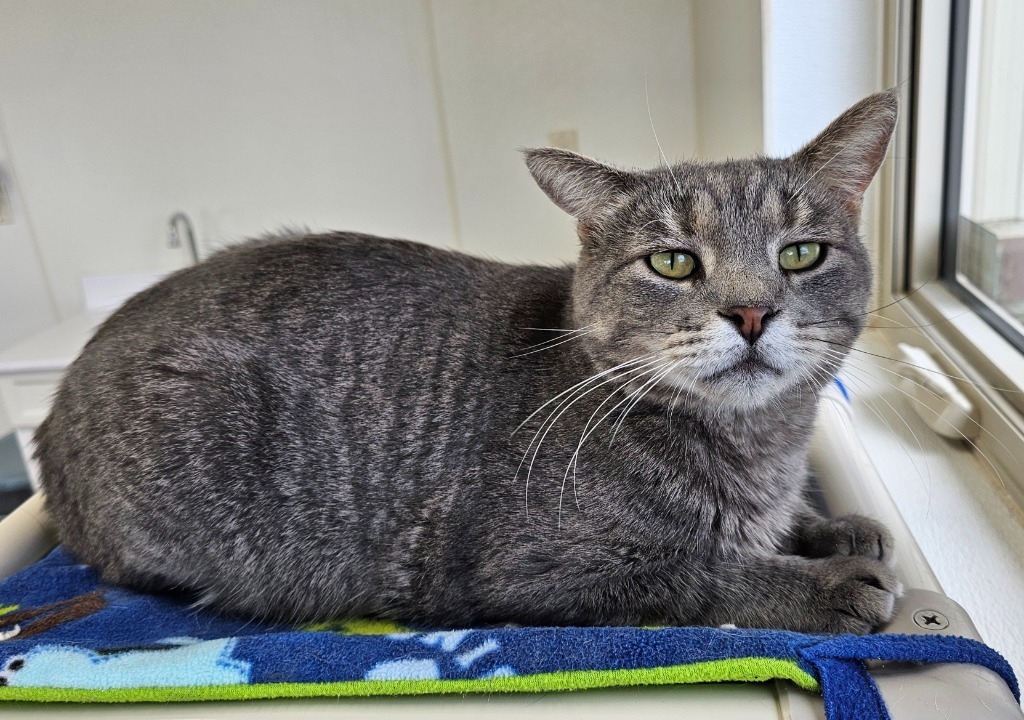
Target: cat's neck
[[792, 413], [795, 412]]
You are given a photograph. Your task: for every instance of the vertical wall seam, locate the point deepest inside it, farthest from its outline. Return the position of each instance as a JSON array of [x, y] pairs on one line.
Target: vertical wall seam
[[698, 81], [447, 161], [16, 193]]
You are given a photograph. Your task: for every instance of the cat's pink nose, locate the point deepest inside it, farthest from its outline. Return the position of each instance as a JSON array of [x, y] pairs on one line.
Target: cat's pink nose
[[750, 321]]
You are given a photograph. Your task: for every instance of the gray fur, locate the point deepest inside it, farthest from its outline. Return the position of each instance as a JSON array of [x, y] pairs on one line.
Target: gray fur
[[326, 426]]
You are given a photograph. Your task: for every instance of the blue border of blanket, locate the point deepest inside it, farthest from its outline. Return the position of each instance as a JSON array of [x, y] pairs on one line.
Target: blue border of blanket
[[63, 630]]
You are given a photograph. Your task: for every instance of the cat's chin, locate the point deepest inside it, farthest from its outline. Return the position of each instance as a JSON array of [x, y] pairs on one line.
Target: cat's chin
[[749, 370], [745, 385]]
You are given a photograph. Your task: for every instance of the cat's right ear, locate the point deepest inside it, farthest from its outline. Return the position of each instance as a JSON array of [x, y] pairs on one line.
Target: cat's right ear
[[847, 154], [577, 184]]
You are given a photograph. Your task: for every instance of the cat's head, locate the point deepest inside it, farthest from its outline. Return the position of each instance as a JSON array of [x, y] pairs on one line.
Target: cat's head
[[733, 281]]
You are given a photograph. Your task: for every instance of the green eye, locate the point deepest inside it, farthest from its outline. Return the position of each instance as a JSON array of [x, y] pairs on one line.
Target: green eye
[[672, 264], [800, 256]]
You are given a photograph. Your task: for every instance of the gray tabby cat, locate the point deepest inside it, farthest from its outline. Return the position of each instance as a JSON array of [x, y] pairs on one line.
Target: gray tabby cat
[[328, 426]]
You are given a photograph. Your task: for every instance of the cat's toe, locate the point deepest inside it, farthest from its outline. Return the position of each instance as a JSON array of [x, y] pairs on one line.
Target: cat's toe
[[852, 535], [858, 594]]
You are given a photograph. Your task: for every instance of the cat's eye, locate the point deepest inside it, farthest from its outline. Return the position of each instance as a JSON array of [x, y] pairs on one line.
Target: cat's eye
[[674, 265], [800, 256]]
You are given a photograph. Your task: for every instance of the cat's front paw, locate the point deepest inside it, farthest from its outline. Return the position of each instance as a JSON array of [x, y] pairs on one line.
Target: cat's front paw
[[852, 535], [855, 595]]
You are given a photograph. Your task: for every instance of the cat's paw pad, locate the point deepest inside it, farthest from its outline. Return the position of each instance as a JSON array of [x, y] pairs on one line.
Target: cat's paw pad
[[857, 594], [853, 535]]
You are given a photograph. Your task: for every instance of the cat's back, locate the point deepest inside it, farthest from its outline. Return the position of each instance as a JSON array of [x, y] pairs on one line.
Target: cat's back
[[234, 396], [317, 301], [257, 286], [268, 325]]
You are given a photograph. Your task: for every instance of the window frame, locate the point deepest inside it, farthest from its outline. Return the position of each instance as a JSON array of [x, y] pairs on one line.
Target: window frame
[[947, 318], [956, 99]]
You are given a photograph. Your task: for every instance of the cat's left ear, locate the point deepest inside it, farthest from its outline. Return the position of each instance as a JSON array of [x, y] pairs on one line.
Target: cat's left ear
[[577, 184], [847, 154]]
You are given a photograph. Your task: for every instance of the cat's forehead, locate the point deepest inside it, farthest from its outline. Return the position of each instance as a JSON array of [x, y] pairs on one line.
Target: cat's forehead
[[744, 198]]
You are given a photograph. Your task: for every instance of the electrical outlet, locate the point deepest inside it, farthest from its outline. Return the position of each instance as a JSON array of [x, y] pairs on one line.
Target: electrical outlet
[[564, 139]]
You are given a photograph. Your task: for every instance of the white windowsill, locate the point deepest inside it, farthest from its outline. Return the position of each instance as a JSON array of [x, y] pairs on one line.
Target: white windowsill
[[957, 507]]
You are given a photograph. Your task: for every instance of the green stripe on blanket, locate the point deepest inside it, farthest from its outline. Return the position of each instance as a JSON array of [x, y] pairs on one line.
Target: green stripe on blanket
[[739, 670]]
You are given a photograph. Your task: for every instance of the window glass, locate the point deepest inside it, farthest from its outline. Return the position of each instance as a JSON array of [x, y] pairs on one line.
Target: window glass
[[987, 103]]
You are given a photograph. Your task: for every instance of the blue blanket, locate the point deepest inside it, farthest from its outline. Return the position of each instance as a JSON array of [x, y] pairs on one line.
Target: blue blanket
[[65, 636]]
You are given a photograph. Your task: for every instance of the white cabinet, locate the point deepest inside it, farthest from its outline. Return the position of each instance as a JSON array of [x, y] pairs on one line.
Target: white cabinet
[[30, 372]]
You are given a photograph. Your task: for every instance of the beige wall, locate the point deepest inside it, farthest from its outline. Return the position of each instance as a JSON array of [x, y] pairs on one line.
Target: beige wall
[[400, 117], [511, 73], [729, 61], [397, 117], [247, 115]]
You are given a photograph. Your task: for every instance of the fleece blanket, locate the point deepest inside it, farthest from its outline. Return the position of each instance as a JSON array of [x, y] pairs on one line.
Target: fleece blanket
[[65, 636]]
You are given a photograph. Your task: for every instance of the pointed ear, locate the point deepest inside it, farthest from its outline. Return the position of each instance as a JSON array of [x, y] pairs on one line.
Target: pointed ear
[[847, 154], [577, 184]]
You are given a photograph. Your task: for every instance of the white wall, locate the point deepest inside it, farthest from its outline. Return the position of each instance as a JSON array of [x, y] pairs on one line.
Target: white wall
[[513, 72], [819, 58], [728, 63], [397, 117], [247, 115]]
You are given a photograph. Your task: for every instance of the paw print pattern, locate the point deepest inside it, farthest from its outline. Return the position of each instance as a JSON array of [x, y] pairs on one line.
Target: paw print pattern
[[450, 655]]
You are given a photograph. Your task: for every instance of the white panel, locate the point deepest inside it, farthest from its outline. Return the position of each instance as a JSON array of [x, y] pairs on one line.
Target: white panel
[[821, 57], [247, 115], [513, 73]]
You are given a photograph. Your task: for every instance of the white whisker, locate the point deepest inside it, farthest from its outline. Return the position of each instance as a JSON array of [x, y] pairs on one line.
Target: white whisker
[[999, 475], [590, 379], [664, 159], [588, 430], [552, 419], [554, 342], [925, 387], [639, 395], [924, 369], [926, 482]]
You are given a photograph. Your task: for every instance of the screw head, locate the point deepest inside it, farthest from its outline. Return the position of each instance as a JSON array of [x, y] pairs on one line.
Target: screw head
[[931, 620]]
